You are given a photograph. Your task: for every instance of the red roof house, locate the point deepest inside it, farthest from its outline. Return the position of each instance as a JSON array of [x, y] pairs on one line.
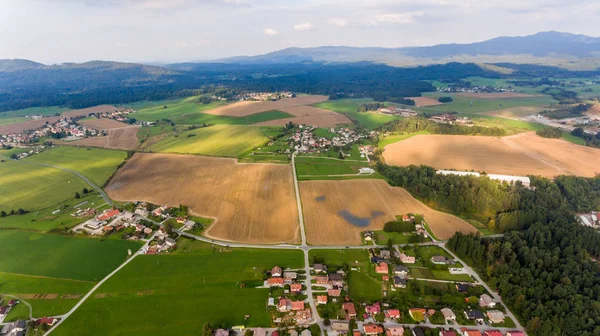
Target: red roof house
[[382, 268]]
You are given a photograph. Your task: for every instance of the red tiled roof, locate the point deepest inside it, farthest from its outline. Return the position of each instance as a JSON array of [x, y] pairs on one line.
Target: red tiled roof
[[297, 305], [492, 333], [275, 281], [373, 329], [295, 287], [334, 292], [322, 299], [392, 313]]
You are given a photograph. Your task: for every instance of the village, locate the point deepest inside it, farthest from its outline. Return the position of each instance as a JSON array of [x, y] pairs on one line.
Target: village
[[473, 89], [306, 140]]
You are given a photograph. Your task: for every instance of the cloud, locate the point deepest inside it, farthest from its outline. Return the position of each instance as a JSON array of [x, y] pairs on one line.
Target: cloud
[[394, 18], [270, 31], [337, 21], [303, 26]]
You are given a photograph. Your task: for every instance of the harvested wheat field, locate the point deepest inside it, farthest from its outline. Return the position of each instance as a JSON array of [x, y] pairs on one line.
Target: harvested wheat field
[[522, 154], [119, 138], [494, 95], [253, 203], [424, 101], [103, 124], [26, 125], [336, 212], [309, 115], [94, 109], [246, 108]]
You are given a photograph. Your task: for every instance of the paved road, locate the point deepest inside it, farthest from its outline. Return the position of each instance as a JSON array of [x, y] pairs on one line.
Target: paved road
[[21, 301], [85, 179]]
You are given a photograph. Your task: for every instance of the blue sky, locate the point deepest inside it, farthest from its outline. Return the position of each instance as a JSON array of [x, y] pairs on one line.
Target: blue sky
[[55, 31]]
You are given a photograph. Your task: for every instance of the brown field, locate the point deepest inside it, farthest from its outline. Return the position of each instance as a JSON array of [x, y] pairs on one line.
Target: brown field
[[516, 112], [119, 138], [594, 110], [309, 115], [26, 125], [325, 226], [493, 95], [245, 108], [424, 101], [103, 124], [521, 154], [94, 109], [253, 203]]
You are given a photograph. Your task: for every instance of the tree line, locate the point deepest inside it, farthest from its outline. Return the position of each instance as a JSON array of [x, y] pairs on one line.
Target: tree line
[[416, 124]]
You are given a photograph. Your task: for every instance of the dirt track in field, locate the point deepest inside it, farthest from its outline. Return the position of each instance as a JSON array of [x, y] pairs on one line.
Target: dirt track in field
[[494, 95], [26, 125], [521, 154], [253, 203], [323, 200], [246, 108], [94, 109], [103, 124], [309, 115], [424, 101], [120, 138]]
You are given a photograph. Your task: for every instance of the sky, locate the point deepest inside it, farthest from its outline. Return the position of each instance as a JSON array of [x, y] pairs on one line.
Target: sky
[[162, 31]]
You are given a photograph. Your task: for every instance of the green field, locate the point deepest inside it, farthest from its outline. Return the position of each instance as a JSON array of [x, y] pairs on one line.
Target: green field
[[45, 111], [175, 109], [348, 107], [95, 164], [352, 257], [390, 139], [317, 166], [62, 257], [33, 187], [363, 288], [471, 106], [176, 294], [218, 140]]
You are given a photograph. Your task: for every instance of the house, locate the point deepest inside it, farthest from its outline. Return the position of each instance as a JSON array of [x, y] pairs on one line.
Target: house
[[384, 254], [417, 331], [181, 220], [417, 314], [3, 311], [334, 292], [305, 332], [392, 313], [369, 235], [292, 332], [447, 333], [336, 279], [108, 214], [303, 316], [475, 315], [276, 271], [222, 332], [275, 282], [284, 305], [322, 280], [356, 333], [271, 302], [495, 316], [341, 327], [486, 301], [399, 282], [448, 314], [401, 270], [320, 268], [373, 329], [260, 332], [170, 242], [381, 268], [462, 287], [492, 333], [515, 333], [406, 259], [385, 278], [142, 212], [108, 229], [470, 332], [147, 231], [322, 299], [438, 260], [289, 274], [395, 331], [373, 309], [350, 310], [14, 329], [49, 321], [296, 288], [297, 305]]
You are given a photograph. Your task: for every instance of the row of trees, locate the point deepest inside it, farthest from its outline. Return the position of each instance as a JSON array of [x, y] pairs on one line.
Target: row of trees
[[416, 124], [549, 132], [590, 139], [370, 107]]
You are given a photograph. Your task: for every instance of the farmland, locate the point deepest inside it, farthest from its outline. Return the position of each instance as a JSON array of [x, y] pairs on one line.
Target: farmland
[[120, 138], [341, 210], [174, 110], [309, 115], [253, 202], [95, 164], [246, 108], [474, 106], [348, 107], [103, 124], [207, 283], [521, 154], [324, 166], [218, 140]]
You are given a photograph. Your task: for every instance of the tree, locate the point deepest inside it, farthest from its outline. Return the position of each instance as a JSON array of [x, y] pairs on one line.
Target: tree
[[315, 329], [77, 195], [207, 329], [2, 213], [327, 322], [341, 155], [85, 191], [390, 244], [578, 132], [248, 332], [353, 324], [445, 99], [168, 227]]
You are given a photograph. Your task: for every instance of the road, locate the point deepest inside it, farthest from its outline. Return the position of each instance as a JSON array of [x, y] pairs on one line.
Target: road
[[21, 301]]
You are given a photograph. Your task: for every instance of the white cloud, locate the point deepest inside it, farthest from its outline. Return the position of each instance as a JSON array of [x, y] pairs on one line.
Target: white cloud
[[303, 26], [181, 44], [337, 21], [395, 18], [270, 31]]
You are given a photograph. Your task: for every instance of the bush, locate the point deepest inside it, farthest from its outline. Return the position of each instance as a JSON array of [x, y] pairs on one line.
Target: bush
[[446, 99], [549, 132]]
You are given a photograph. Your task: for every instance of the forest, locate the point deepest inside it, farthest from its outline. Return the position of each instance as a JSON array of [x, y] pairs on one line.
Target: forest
[[416, 124], [549, 132]]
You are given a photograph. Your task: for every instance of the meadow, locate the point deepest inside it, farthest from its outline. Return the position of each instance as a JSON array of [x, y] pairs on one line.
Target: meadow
[[473, 106], [323, 167], [173, 110], [45, 111], [354, 257], [95, 164], [178, 293], [218, 140], [75, 258], [348, 107], [363, 288]]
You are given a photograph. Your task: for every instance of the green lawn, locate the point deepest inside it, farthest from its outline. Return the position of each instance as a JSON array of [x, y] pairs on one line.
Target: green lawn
[[363, 288], [176, 294], [95, 164], [316, 166], [218, 140], [340, 257], [446, 275], [381, 237], [390, 139], [63, 257], [34, 187], [567, 136], [7, 121]]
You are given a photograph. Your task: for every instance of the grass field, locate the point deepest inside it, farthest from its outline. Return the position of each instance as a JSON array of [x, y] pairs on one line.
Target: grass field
[[176, 294], [175, 109], [363, 288], [390, 139], [470, 106], [45, 111], [95, 164], [348, 107], [316, 166], [61, 256], [218, 140], [34, 187], [341, 257]]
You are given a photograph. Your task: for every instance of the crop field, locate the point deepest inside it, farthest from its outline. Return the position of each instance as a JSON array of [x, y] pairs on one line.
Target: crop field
[[26, 125], [177, 294], [63, 257], [338, 211], [363, 288], [315, 166], [246, 108], [521, 154], [43, 111], [103, 124], [95, 164], [341, 257], [309, 115], [121, 138], [425, 101], [174, 109], [34, 187], [474, 106], [516, 112], [253, 202], [218, 140], [94, 109], [348, 107], [495, 95]]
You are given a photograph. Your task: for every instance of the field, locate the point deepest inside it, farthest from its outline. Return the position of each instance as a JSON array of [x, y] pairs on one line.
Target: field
[[121, 138], [322, 167], [516, 112], [95, 164], [521, 154], [338, 211], [473, 106], [103, 124], [253, 202], [309, 115], [246, 108], [341, 257], [94, 109], [348, 107], [363, 288], [176, 294], [34, 187], [26, 125], [175, 109], [495, 95], [425, 101], [84, 259], [44, 111], [218, 140]]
